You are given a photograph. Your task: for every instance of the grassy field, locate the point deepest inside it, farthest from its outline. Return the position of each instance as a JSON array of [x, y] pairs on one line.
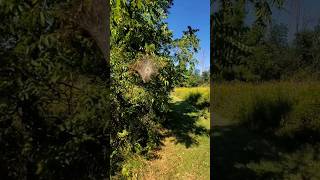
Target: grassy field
[[260, 131], [266, 131], [185, 152], [229, 98]]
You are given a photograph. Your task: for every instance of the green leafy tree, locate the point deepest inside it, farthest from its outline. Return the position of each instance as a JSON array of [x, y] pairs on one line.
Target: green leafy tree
[[142, 44], [278, 35], [185, 49], [232, 39], [54, 110], [205, 76], [306, 52]]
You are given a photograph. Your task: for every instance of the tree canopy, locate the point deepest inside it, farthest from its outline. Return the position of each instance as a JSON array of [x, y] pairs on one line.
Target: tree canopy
[[140, 40], [258, 51], [54, 90]]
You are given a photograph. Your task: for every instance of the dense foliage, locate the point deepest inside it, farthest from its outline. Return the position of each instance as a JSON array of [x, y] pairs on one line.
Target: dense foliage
[[54, 84], [139, 33], [274, 58], [194, 79], [261, 50], [54, 109]]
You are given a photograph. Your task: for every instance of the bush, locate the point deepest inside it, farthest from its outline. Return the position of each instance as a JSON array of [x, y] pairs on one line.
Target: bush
[[198, 100], [266, 112], [303, 123]]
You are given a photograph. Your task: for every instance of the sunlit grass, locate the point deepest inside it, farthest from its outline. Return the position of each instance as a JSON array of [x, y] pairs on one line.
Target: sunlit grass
[[176, 160], [183, 92], [229, 98]]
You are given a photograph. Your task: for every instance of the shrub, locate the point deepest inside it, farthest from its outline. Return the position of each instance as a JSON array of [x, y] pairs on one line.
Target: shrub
[[198, 100], [266, 112], [303, 123]]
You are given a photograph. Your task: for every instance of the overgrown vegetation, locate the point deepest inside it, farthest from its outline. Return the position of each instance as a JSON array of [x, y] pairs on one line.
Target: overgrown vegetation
[[184, 153], [285, 115], [55, 95], [139, 107], [276, 108], [195, 79], [54, 110], [266, 96]]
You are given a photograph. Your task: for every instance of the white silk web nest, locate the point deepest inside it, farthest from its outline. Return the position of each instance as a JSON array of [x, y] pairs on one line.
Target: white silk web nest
[[146, 67]]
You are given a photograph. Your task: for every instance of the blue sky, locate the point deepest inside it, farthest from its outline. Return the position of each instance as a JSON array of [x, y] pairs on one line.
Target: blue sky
[[194, 13]]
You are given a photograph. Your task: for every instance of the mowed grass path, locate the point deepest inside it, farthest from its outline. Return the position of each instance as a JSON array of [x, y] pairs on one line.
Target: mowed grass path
[[185, 153]]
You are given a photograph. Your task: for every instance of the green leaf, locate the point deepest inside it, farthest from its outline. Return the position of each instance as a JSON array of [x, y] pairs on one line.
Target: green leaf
[[42, 19]]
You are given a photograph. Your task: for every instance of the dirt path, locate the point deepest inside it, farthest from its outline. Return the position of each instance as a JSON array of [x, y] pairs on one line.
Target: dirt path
[[185, 153]]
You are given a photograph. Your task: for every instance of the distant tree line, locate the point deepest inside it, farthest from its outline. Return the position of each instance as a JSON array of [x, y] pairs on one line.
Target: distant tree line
[[274, 58], [195, 78], [260, 51]]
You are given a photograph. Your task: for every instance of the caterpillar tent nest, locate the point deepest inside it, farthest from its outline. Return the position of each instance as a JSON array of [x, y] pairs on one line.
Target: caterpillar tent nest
[[147, 66]]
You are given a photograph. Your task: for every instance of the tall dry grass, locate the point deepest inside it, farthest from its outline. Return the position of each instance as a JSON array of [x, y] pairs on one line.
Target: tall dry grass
[[285, 108]]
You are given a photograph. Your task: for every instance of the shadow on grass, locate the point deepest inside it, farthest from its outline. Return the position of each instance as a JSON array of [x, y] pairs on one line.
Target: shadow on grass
[[240, 154], [182, 123], [197, 100], [233, 148], [254, 148]]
